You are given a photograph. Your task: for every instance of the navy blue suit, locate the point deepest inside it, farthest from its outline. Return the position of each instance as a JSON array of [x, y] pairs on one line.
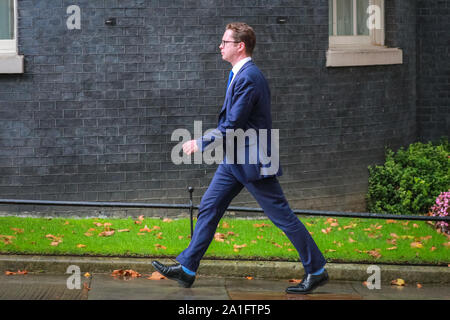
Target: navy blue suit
[[247, 107]]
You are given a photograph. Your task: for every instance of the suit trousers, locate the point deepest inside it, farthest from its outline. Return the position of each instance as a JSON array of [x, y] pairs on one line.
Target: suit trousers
[[269, 195]]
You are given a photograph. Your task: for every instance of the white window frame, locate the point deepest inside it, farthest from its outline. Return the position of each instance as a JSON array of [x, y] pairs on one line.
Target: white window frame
[[10, 60], [10, 46], [361, 50]]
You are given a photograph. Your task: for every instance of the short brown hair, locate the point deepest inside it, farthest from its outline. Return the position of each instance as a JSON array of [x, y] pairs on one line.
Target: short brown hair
[[242, 32]]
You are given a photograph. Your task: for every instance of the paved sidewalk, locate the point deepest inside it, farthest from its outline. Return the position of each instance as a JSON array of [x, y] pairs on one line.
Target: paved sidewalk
[[48, 275], [226, 268], [107, 287]]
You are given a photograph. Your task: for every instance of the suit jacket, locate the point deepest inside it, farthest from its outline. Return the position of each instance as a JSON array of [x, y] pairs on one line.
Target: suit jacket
[[251, 149]]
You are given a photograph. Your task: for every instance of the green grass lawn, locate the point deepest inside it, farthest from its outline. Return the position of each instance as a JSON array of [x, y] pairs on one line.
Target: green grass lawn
[[341, 239]]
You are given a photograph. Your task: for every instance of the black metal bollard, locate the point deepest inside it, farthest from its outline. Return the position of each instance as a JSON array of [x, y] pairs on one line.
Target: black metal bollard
[[191, 210]]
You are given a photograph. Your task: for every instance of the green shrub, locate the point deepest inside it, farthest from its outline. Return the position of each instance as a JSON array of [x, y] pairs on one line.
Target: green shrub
[[410, 180]]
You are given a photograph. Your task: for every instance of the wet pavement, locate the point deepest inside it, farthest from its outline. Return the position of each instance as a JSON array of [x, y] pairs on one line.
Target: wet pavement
[[103, 286]]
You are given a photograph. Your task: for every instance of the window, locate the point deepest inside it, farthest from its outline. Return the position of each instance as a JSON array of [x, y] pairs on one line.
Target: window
[[356, 34], [10, 61], [7, 26]]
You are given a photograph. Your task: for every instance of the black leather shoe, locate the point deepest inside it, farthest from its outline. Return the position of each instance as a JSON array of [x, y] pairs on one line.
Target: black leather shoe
[[309, 283], [175, 272]]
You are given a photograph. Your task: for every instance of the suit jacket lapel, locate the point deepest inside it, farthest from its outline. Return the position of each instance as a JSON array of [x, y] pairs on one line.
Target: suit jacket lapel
[[228, 94]]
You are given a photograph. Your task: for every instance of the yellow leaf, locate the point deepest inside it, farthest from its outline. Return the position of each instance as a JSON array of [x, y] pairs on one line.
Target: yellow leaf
[[87, 275], [398, 282], [391, 248], [123, 230], [416, 245], [81, 246]]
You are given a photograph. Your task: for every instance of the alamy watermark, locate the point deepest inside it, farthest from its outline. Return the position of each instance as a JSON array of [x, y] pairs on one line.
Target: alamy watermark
[[73, 281], [241, 147], [374, 281]]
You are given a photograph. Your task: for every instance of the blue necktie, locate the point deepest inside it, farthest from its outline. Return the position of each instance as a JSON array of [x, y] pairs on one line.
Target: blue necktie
[[230, 77]]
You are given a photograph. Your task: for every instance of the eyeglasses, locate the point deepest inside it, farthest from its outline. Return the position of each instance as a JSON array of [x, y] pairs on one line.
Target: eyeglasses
[[224, 42]]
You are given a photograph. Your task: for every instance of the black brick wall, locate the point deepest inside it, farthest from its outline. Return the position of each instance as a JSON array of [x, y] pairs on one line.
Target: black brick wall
[[433, 69], [92, 116]]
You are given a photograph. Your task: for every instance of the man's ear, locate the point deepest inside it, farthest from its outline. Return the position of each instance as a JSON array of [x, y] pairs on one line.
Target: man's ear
[[242, 46]]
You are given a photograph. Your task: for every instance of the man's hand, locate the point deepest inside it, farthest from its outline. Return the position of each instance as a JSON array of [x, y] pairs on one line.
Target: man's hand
[[190, 147]]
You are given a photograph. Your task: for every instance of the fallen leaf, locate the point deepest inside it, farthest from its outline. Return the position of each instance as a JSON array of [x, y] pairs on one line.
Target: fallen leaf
[[350, 226], [180, 237], [106, 233], [98, 224], [446, 244], [236, 246], [393, 235], [141, 218], [295, 280], [259, 237], [167, 220], [219, 237], [262, 225], [432, 248], [87, 275], [398, 282], [54, 243], [225, 225], [158, 246], [156, 276], [419, 286], [6, 239], [416, 245], [125, 273], [17, 230], [391, 241], [145, 229], [415, 225], [390, 221], [123, 230], [88, 234], [327, 230], [391, 248], [19, 272], [249, 278], [374, 253], [329, 250], [277, 245], [81, 246]]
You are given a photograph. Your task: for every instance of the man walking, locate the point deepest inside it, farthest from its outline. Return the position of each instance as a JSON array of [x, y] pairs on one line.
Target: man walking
[[246, 106]]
